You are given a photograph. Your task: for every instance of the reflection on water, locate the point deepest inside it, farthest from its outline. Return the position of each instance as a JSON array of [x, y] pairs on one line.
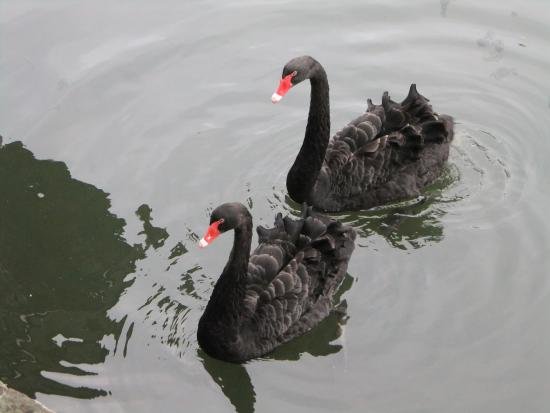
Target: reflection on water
[[444, 6], [233, 380], [62, 265], [154, 236], [493, 46], [408, 224]]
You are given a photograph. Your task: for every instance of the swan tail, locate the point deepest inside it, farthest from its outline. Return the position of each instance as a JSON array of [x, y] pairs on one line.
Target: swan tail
[[448, 125], [417, 105], [414, 122]]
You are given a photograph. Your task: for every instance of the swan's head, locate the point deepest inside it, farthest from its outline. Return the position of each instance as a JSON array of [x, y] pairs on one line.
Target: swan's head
[[224, 218], [294, 72]]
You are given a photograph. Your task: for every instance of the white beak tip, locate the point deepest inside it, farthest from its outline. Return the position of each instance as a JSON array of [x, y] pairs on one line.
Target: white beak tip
[[275, 97], [203, 243]]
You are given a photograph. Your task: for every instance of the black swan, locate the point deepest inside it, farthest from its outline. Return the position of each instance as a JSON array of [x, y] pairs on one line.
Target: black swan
[[387, 154], [280, 291]]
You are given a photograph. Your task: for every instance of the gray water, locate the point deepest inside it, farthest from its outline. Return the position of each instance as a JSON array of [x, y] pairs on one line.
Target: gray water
[[123, 126]]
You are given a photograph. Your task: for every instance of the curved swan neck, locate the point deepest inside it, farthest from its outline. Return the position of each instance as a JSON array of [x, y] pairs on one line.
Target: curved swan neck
[[231, 285], [237, 265], [305, 170]]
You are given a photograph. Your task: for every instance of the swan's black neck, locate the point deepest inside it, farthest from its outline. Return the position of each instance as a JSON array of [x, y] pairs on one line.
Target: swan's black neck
[[226, 300], [305, 170]]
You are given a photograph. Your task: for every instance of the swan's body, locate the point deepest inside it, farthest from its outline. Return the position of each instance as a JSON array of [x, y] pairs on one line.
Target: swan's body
[[389, 153], [279, 292]]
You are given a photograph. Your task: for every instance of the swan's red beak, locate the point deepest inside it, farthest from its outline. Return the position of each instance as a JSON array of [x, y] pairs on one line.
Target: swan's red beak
[[211, 234], [284, 86]]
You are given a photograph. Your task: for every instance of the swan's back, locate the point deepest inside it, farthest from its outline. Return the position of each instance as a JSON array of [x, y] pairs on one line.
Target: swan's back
[[389, 153]]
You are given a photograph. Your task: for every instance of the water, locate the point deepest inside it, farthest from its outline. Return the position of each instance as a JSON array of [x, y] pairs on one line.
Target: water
[[125, 125]]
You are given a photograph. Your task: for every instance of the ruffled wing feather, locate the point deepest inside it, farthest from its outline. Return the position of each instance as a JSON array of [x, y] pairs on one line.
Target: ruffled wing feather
[[365, 152], [288, 297]]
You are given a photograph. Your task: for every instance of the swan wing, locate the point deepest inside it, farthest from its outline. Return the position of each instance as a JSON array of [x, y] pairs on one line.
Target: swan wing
[[360, 156], [300, 293]]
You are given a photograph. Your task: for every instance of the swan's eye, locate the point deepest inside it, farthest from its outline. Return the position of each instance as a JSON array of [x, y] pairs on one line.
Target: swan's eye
[[294, 73]]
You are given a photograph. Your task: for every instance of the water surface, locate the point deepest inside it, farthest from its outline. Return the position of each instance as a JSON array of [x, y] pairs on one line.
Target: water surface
[[125, 124]]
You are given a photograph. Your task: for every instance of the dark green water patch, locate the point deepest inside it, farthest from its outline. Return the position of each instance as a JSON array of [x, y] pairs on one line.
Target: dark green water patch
[[63, 260]]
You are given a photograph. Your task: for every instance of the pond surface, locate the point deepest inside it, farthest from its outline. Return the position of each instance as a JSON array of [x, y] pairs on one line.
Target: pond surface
[[123, 126]]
